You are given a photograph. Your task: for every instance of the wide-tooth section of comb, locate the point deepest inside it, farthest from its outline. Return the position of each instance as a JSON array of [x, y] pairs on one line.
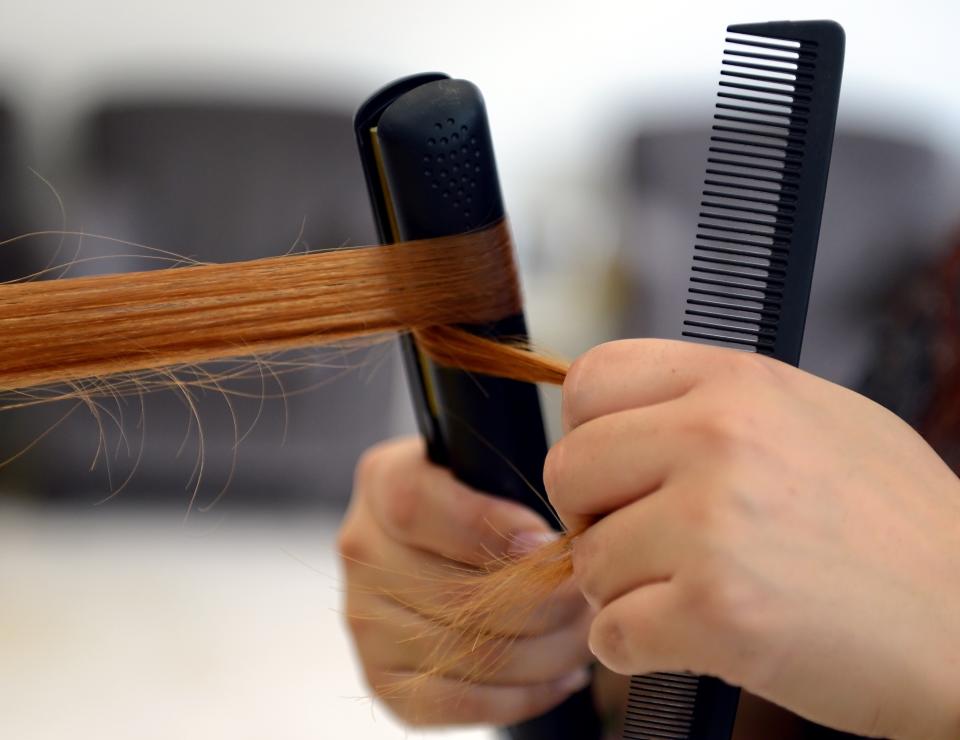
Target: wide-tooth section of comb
[[759, 217], [661, 706]]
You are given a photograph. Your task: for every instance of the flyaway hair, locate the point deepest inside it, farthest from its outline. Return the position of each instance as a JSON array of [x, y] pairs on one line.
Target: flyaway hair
[[56, 331], [70, 330]]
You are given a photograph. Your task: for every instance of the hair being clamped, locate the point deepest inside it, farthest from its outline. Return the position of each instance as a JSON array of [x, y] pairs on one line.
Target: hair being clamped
[[753, 261], [428, 159]]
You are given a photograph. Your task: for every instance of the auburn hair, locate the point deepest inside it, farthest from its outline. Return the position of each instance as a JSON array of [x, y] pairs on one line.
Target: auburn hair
[[104, 332]]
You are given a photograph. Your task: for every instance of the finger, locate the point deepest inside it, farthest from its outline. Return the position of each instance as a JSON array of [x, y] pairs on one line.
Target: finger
[[422, 505], [645, 631], [433, 585], [630, 548], [633, 373], [608, 462], [389, 635], [437, 700]]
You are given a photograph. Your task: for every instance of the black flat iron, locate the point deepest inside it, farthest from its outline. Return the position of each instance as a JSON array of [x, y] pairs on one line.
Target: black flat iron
[[428, 159]]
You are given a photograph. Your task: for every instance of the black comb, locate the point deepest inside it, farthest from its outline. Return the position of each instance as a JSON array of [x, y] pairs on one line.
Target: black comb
[[756, 243]]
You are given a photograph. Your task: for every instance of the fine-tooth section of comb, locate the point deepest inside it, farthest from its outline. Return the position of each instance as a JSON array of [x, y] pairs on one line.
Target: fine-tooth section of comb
[[766, 177], [661, 706], [757, 232]]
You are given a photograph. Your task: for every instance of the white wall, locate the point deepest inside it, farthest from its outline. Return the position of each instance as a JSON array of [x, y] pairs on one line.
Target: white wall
[[557, 75]]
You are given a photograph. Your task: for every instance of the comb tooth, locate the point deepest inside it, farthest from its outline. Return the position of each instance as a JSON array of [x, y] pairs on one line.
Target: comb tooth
[[746, 289], [770, 124], [764, 270], [725, 340], [798, 50], [765, 303], [760, 145], [737, 206], [769, 91], [777, 223], [794, 85], [739, 197], [774, 239], [731, 219], [761, 312], [764, 280], [768, 238], [737, 191], [797, 61], [792, 71], [762, 101], [759, 178], [768, 254], [748, 294], [785, 138], [734, 163], [761, 112], [766, 157], [738, 331], [751, 188], [739, 242], [769, 326]]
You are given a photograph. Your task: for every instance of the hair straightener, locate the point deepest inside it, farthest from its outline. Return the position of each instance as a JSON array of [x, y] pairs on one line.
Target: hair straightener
[[428, 160], [756, 242]]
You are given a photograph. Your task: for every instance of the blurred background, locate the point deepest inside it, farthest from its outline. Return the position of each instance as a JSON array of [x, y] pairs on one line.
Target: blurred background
[[208, 607]]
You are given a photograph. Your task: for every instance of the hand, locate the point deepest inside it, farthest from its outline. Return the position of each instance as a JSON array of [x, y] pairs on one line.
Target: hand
[[410, 524], [756, 523]]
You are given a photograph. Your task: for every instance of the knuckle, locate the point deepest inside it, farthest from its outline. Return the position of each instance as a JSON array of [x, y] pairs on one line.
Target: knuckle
[[351, 546], [473, 707], [702, 510], [726, 602], [583, 559], [554, 473], [358, 626], [753, 367], [730, 435], [478, 514], [401, 505], [580, 369], [569, 406], [367, 469]]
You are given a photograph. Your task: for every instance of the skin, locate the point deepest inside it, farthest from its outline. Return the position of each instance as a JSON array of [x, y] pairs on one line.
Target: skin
[[753, 522], [746, 520], [409, 519]]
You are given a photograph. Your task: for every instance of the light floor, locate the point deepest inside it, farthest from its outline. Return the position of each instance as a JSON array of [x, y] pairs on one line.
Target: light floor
[[138, 627]]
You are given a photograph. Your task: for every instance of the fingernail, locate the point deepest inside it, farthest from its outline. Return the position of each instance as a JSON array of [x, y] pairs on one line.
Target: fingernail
[[524, 542], [574, 681]]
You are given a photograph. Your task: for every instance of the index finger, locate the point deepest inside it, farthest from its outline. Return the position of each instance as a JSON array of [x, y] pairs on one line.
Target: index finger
[[631, 373], [422, 505]]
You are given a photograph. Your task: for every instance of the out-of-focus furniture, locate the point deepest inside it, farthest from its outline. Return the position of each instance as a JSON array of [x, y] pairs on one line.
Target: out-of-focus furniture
[[222, 182], [888, 207]]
